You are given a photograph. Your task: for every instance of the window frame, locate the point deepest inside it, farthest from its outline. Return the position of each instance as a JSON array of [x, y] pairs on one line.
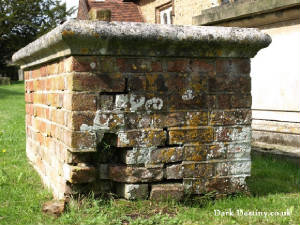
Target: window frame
[[162, 7]]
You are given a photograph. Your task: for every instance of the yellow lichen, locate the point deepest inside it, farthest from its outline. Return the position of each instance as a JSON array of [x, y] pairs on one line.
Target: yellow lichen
[[143, 66], [151, 78], [67, 33], [84, 50], [134, 67]]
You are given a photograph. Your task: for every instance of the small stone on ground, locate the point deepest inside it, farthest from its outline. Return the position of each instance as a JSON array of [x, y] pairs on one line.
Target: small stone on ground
[[54, 207]]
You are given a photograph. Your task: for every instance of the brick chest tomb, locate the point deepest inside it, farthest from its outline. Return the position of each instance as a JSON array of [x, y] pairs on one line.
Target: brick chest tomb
[[140, 110]]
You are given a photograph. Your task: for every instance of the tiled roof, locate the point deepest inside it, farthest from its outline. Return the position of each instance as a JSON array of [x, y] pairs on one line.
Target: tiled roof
[[120, 10]]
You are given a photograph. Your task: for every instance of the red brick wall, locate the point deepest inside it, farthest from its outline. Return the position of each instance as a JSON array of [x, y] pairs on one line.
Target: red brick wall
[[121, 123]]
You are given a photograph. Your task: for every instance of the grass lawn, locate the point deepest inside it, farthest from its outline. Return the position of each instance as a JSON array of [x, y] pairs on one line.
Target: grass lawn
[[274, 186]]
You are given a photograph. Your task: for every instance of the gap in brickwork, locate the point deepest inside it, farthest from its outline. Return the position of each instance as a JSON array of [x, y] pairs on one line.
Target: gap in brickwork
[[167, 136], [172, 163], [107, 150]]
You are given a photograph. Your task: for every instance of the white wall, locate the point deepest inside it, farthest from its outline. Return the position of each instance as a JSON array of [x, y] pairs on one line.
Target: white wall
[[275, 76]]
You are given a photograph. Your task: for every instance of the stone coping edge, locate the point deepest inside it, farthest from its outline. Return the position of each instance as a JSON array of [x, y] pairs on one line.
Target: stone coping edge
[[241, 9], [84, 37]]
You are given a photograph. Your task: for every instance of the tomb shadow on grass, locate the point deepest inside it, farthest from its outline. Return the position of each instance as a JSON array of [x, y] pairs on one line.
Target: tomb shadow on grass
[[6, 90]]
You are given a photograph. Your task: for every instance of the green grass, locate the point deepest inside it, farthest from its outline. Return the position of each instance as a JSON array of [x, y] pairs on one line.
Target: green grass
[[274, 186]]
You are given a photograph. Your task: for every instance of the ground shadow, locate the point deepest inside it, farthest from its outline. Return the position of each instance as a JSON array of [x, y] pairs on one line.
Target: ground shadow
[[5, 92]]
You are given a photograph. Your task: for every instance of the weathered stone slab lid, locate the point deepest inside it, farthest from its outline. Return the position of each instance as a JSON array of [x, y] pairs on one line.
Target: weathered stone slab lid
[[83, 37]]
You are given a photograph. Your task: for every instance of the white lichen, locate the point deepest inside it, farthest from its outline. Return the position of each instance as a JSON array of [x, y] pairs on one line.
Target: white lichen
[[121, 102], [136, 102], [154, 103], [93, 65], [85, 127], [188, 95], [123, 138]]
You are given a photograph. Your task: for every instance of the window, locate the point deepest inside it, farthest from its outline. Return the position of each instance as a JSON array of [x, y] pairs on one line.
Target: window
[[164, 13], [166, 16]]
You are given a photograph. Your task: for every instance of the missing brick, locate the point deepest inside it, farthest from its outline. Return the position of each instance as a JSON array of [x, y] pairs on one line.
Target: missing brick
[[106, 149]]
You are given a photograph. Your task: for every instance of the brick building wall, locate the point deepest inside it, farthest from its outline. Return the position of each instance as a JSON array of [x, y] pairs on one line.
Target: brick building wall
[[145, 122], [120, 10], [183, 10], [83, 10]]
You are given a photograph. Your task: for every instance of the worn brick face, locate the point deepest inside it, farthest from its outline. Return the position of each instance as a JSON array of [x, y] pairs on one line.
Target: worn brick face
[[174, 172], [80, 141], [130, 174], [233, 66], [137, 125], [190, 135], [195, 170], [102, 82], [233, 133], [110, 121], [230, 117], [178, 119], [179, 65], [138, 65], [139, 121], [79, 174], [195, 153], [106, 102], [166, 155], [165, 192], [80, 118], [241, 101], [80, 102], [187, 100], [141, 138]]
